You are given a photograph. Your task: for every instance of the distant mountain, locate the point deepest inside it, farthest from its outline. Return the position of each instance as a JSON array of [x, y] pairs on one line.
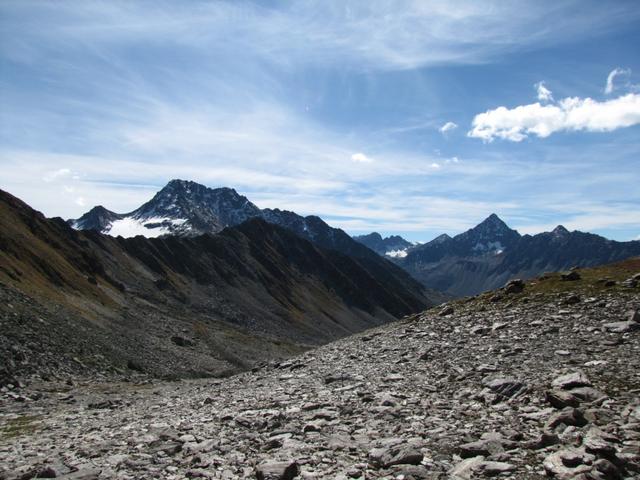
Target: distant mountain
[[182, 305], [186, 208], [490, 254], [181, 208], [393, 246]]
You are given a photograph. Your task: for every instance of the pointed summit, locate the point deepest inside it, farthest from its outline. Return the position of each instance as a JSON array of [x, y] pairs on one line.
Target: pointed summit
[[494, 221], [491, 235], [98, 218], [439, 239], [560, 231]]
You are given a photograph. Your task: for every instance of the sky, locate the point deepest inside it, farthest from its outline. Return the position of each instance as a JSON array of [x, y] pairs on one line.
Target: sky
[[403, 117]]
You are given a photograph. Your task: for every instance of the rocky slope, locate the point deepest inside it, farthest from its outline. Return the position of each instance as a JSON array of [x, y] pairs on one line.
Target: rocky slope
[[82, 302], [532, 381], [490, 254]]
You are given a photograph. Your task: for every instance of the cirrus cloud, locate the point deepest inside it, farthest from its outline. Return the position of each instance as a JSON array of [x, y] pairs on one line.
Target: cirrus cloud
[[611, 77], [447, 127], [544, 94], [569, 114]]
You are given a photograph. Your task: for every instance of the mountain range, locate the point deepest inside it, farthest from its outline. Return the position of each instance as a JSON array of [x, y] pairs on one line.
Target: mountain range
[[187, 208], [185, 305], [480, 259], [490, 254]]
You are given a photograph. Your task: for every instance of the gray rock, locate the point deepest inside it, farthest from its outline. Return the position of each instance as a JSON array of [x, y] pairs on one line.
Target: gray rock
[[598, 442], [480, 448], [514, 286], [466, 469], [447, 310], [561, 399], [571, 380], [506, 386], [277, 470], [570, 276], [621, 327], [544, 440], [402, 454], [83, 474], [568, 416], [568, 463], [491, 469]]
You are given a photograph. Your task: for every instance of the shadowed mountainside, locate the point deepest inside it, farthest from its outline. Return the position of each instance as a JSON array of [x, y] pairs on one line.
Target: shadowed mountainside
[[181, 306]]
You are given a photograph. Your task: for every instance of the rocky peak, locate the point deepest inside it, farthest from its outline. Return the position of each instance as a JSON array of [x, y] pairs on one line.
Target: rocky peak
[[373, 236], [560, 231], [491, 235], [203, 208], [97, 218], [439, 239], [492, 224]]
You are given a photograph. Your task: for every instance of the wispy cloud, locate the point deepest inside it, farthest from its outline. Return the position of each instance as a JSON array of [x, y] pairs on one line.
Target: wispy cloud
[[544, 94], [378, 33], [616, 72], [447, 127], [109, 100]]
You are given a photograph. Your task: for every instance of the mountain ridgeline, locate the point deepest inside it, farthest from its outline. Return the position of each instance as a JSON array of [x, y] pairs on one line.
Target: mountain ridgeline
[[480, 259], [490, 254], [187, 208], [392, 246], [185, 305]]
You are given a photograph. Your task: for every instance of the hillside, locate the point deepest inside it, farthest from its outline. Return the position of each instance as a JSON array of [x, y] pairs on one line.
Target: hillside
[[179, 306], [532, 381]]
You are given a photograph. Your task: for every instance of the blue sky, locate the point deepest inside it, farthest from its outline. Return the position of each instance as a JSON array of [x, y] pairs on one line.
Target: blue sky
[[405, 117]]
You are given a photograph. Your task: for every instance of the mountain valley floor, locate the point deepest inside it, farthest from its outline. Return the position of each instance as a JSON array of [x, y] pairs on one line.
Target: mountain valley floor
[[531, 381]]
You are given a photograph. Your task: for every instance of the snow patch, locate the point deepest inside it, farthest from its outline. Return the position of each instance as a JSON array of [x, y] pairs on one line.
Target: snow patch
[[147, 227]]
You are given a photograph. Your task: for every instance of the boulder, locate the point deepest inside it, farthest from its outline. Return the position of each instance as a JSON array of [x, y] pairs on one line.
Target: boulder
[[277, 470], [402, 454], [571, 380]]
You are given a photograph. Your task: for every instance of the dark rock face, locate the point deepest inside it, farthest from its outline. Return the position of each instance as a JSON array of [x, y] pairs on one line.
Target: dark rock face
[[182, 306], [98, 218], [382, 246], [491, 399], [491, 254]]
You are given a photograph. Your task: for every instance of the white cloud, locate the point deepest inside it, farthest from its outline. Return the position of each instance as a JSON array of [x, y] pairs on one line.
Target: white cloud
[[544, 94], [447, 127], [80, 202], [569, 114], [435, 165], [609, 87], [360, 158]]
